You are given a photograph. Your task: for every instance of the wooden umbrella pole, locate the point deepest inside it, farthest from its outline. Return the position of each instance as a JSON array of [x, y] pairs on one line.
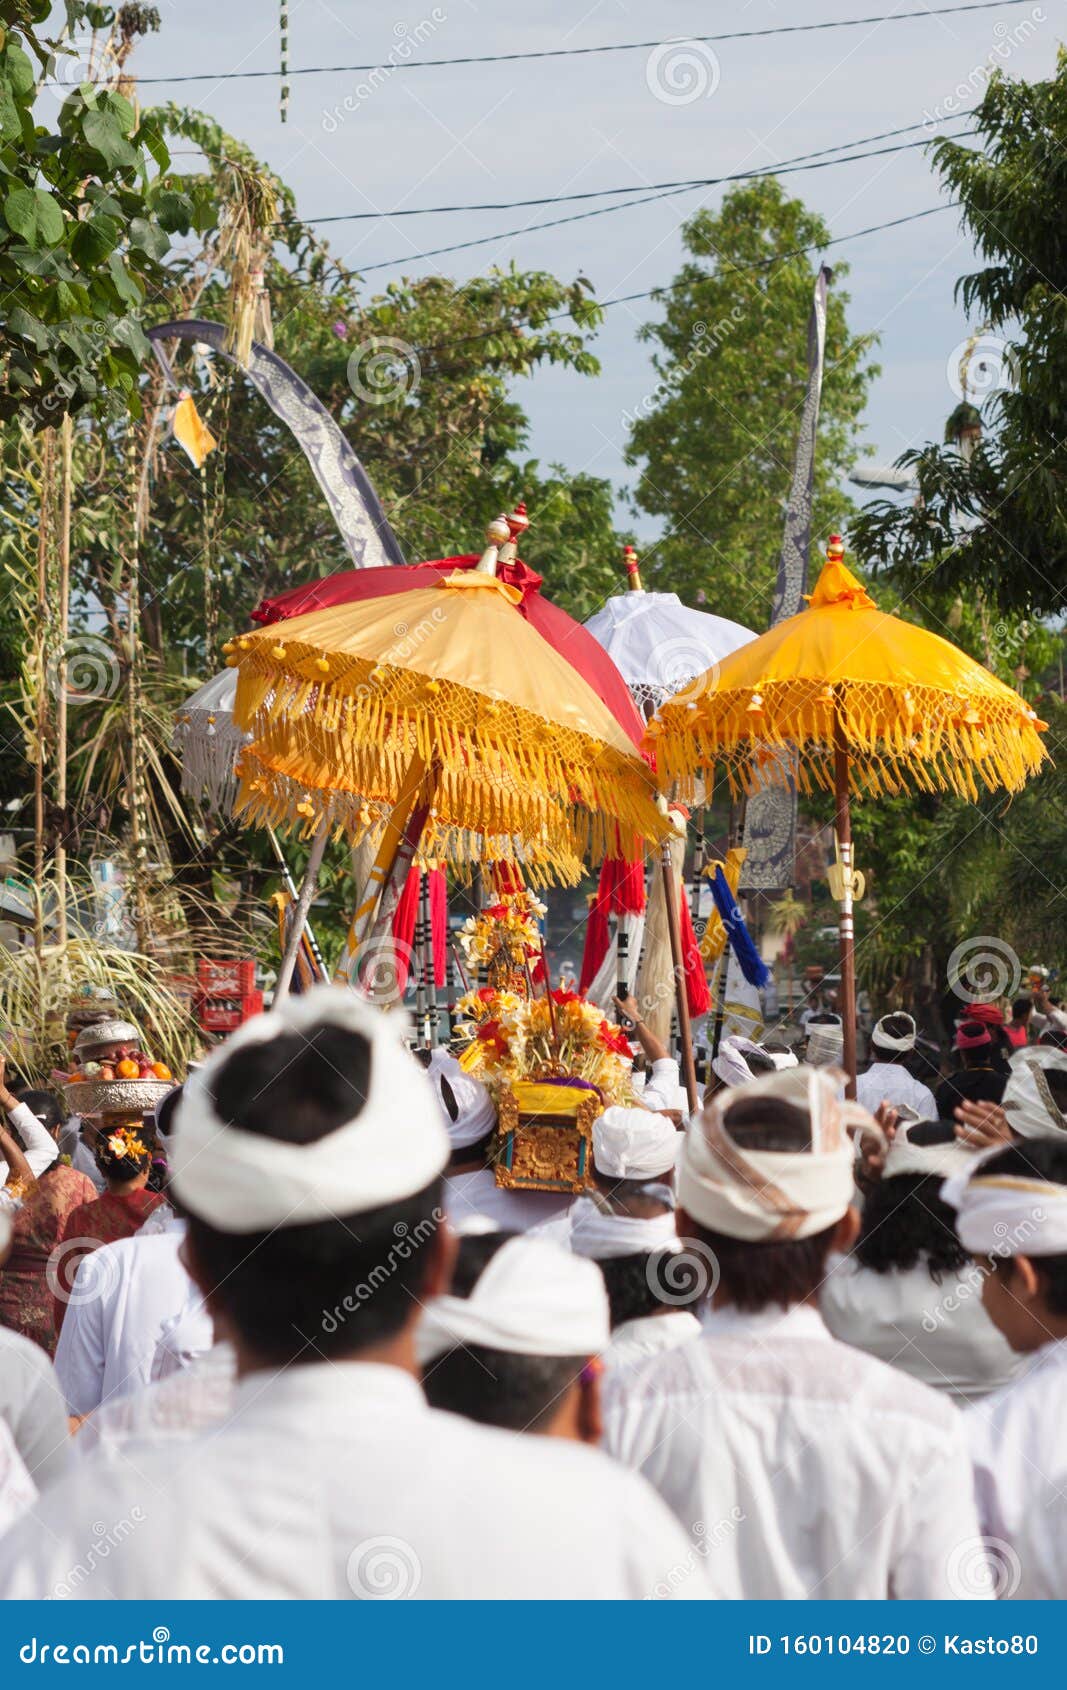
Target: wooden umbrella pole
[[300, 911], [290, 887], [372, 922], [548, 995], [689, 1070], [843, 829]]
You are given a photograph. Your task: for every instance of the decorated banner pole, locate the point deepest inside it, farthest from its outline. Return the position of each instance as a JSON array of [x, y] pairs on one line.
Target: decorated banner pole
[[675, 932], [622, 951]]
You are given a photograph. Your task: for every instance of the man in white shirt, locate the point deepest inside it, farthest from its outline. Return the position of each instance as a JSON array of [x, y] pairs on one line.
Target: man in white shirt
[[469, 1118], [816, 1471], [32, 1407], [626, 1225], [125, 1297], [308, 1153], [887, 1079], [1012, 1217], [513, 1341]]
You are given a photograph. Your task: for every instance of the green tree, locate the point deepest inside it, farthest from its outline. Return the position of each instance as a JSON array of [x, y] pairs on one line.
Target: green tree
[[715, 439], [998, 518], [87, 212]]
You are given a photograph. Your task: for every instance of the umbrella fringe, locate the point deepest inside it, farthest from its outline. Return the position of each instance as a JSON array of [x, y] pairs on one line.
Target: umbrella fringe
[[898, 738], [504, 772]]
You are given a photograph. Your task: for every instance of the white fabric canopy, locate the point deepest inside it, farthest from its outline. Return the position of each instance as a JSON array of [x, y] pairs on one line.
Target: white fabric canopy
[[207, 740], [659, 645]]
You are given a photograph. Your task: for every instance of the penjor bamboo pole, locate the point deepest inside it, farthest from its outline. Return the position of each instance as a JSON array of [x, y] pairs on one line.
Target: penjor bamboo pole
[[843, 829], [66, 478]]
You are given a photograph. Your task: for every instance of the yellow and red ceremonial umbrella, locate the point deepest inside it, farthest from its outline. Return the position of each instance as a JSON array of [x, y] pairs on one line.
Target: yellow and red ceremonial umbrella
[[446, 704], [850, 699]]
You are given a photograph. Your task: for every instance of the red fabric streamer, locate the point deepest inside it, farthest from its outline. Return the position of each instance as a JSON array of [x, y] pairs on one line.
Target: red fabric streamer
[[404, 919], [696, 981], [439, 924], [621, 892]]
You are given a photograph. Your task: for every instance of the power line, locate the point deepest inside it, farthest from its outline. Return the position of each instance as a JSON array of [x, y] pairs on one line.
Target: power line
[[797, 163], [788, 169], [734, 270], [583, 52]]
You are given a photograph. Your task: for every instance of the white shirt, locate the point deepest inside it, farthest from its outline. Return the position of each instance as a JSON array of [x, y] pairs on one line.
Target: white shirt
[[663, 1089], [40, 1147], [1020, 1471], [814, 1470], [477, 1193], [940, 1334], [890, 1082], [124, 1294], [31, 1405], [179, 1406], [338, 1480], [17, 1489], [649, 1335]]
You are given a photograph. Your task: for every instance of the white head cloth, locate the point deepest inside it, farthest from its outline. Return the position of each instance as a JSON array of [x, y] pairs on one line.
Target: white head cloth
[[886, 1041], [765, 1195], [731, 1061], [826, 1041], [1028, 1102], [603, 1235], [1007, 1214], [634, 1144], [245, 1182], [903, 1157], [477, 1114], [534, 1298]]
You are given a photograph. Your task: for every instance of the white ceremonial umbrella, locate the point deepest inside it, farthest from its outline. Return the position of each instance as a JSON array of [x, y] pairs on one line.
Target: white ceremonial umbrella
[[207, 741], [658, 643]]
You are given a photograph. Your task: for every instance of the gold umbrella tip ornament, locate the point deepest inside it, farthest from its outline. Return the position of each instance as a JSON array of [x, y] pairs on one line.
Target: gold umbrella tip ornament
[[837, 584], [630, 562]]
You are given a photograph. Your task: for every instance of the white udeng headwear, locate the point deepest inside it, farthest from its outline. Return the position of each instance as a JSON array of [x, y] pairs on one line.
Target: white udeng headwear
[[1007, 1214], [731, 1060], [886, 1041], [1028, 1102], [477, 1114], [534, 1298], [241, 1182], [765, 1195], [634, 1144], [602, 1235]]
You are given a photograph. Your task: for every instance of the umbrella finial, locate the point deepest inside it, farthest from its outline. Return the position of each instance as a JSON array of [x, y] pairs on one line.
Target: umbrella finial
[[630, 559], [518, 522], [497, 534], [835, 549]]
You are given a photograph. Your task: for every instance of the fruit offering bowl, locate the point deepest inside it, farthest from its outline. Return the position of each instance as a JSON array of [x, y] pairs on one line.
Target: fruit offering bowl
[[133, 1085]]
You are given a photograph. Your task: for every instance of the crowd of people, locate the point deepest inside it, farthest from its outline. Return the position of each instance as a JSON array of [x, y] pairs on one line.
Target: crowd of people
[[289, 1337]]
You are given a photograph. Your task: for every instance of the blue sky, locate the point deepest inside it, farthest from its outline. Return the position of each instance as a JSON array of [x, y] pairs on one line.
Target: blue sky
[[504, 132]]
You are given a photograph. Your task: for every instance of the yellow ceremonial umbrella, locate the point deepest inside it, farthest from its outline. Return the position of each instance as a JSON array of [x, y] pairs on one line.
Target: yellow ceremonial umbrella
[[869, 703], [446, 704]]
